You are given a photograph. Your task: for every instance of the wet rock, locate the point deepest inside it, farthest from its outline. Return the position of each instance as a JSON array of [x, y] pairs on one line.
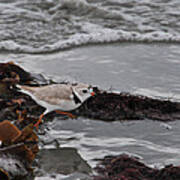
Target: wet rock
[[62, 161]]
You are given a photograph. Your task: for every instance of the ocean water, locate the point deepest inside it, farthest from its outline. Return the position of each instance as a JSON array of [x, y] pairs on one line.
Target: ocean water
[[43, 26], [120, 45]]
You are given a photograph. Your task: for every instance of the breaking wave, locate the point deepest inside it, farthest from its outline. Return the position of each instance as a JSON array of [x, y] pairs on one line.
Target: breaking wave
[[53, 25]]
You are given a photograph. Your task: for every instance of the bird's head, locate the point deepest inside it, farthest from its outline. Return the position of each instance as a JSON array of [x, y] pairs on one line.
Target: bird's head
[[83, 91]]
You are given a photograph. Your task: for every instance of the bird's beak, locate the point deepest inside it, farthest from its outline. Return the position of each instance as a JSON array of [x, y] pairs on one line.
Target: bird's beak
[[92, 92]]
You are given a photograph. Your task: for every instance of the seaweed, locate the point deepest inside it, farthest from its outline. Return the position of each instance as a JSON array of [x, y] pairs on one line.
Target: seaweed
[[109, 106], [17, 151], [125, 167]]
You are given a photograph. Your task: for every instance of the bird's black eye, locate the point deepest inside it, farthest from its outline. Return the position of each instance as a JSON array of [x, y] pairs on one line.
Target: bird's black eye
[[84, 91]]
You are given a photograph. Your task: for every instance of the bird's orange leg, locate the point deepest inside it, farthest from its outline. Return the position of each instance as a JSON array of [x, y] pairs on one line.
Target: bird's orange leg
[[39, 121], [65, 113]]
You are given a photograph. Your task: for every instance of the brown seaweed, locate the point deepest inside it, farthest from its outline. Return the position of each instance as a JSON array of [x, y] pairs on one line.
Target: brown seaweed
[[124, 167], [109, 106], [13, 162], [8, 132], [18, 150], [12, 73]]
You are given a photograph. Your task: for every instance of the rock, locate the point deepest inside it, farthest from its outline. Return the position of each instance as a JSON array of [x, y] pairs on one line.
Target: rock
[[62, 161]]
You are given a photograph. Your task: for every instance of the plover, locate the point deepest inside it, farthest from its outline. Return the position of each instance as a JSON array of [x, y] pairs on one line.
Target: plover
[[58, 97]]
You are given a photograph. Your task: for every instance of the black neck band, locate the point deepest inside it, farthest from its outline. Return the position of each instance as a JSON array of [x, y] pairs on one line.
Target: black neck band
[[76, 99]]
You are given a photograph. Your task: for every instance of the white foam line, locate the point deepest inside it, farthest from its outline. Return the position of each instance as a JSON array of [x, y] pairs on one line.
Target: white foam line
[[100, 36]]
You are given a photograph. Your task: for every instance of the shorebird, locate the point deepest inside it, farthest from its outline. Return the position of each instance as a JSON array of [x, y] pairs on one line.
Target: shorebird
[[58, 97]]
